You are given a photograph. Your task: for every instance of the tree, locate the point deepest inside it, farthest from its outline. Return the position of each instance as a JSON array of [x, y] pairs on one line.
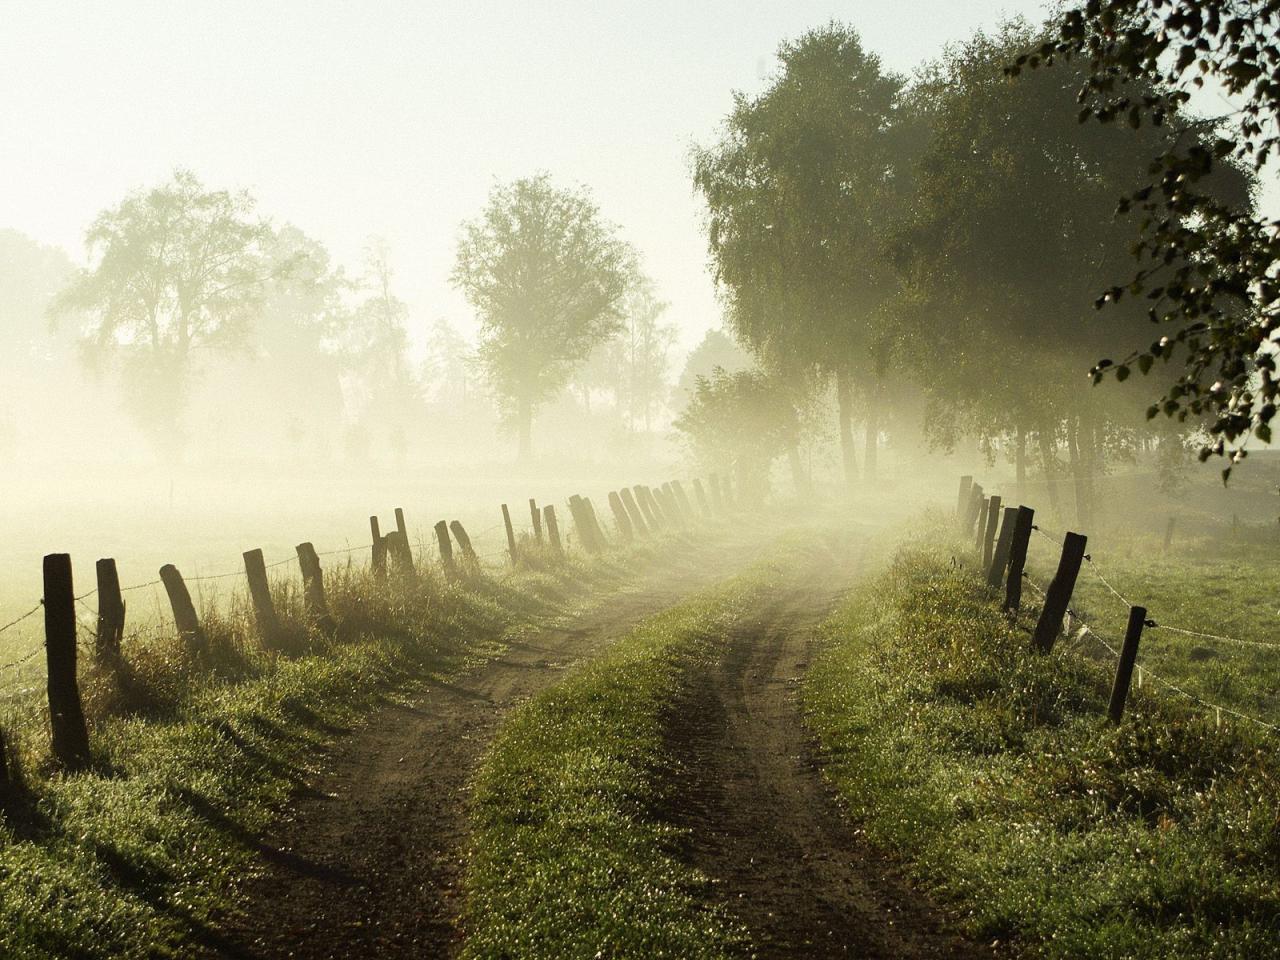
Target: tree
[[374, 349], [740, 423], [173, 270], [1012, 233], [799, 190], [1205, 258], [715, 349], [547, 277], [641, 352]]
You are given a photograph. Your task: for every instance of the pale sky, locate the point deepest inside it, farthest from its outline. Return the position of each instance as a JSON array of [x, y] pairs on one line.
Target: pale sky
[[394, 118]]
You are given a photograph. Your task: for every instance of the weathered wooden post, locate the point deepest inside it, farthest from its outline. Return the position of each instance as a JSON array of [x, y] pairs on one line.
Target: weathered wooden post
[[633, 511], [264, 609], [1000, 558], [650, 516], [406, 551], [317, 605], [962, 505], [582, 523], [1128, 656], [464, 541], [982, 524], [717, 501], [660, 506], [379, 550], [685, 503], [511, 533], [553, 529], [1058, 597], [667, 497], [701, 494], [620, 517], [1168, 534], [446, 548], [989, 534], [184, 611], [1018, 558], [537, 519], [110, 633], [69, 734], [596, 529], [975, 505]]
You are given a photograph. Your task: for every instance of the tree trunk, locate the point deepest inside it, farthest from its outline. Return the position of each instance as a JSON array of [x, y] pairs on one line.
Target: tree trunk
[[525, 414], [1074, 450], [1020, 464], [844, 399], [1048, 462], [872, 441], [797, 471]]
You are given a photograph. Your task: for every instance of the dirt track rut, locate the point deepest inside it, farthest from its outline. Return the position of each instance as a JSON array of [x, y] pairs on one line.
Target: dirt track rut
[[368, 862], [761, 821]]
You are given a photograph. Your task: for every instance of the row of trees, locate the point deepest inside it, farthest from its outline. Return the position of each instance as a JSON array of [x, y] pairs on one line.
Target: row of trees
[[946, 235], [180, 273]]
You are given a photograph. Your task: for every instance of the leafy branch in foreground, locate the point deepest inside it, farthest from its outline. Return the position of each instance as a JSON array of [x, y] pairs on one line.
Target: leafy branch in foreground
[[1206, 259]]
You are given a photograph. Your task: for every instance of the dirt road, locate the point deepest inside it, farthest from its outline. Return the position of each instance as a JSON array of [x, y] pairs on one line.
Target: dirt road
[[762, 823], [368, 863]]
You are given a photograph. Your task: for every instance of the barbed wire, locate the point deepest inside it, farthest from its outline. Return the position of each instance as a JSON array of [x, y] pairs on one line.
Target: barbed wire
[[1105, 582], [30, 613], [1086, 629]]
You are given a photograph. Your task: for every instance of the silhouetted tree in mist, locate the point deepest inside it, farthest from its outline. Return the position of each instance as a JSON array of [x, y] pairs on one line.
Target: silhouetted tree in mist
[[547, 277], [799, 191], [173, 270]]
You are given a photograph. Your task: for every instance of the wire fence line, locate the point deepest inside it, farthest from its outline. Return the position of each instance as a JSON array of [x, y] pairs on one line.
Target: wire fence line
[[1154, 624], [1087, 630]]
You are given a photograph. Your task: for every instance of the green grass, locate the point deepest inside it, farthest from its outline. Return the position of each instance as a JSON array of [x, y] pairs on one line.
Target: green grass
[[569, 859], [141, 854], [993, 771], [1222, 588]]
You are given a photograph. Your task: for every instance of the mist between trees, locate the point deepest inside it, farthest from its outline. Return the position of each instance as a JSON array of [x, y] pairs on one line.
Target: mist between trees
[[905, 264]]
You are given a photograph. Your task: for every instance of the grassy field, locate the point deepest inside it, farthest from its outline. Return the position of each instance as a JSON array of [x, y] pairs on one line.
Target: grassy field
[[568, 860], [141, 853], [1219, 588], [994, 772]]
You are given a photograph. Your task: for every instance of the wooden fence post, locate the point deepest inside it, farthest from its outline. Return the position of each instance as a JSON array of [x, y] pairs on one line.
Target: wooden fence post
[[464, 541], [511, 533], [982, 524], [553, 529], [660, 506], [1000, 558], [667, 497], [537, 519], [184, 611], [717, 502], [1168, 534], [701, 494], [582, 523], [620, 517], [647, 507], [596, 529], [1058, 596], [685, 503], [379, 550], [70, 736], [989, 534], [264, 609], [405, 550], [962, 505], [446, 548], [975, 505], [633, 511], [1018, 558], [1124, 669], [110, 613], [313, 586]]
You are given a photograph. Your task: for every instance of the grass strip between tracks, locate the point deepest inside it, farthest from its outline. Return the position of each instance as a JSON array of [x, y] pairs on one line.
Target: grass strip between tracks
[[568, 859], [994, 771]]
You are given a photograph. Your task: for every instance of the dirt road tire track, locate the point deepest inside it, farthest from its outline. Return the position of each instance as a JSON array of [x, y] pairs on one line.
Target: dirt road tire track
[[760, 820], [369, 860]]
